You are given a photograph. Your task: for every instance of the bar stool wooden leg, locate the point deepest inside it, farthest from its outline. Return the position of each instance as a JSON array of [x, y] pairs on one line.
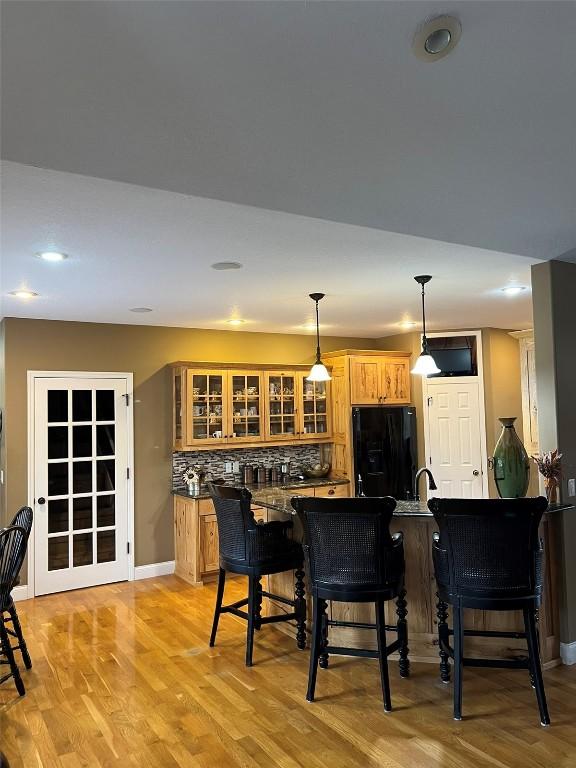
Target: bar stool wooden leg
[[315, 647], [300, 609], [382, 654], [252, 590], [443, 639], [458, 660], [534, 653], [218, 608], [401, 612], [258, 604], [324, 634]]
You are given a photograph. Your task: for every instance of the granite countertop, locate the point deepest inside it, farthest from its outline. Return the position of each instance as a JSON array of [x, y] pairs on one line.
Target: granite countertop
[[255, 488], [279, 500]]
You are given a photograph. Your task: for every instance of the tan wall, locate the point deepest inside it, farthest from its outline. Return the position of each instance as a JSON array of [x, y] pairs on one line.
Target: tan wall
[[502, 387], [145, 351], [553, 288]]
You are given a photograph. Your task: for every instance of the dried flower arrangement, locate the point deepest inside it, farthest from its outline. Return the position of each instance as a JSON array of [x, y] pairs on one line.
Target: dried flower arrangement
[[550, 467]]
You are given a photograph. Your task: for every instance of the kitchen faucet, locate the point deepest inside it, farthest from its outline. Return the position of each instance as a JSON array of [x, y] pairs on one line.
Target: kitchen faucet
[[431, 483]]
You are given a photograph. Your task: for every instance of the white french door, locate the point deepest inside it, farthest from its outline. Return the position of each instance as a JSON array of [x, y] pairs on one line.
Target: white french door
[[81, 482], [455, 439]]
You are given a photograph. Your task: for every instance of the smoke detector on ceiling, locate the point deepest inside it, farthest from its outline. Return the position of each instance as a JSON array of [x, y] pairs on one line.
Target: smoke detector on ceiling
[[436, 38]]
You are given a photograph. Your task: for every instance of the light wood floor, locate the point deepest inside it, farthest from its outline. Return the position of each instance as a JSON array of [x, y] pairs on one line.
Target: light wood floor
[[123, 676]]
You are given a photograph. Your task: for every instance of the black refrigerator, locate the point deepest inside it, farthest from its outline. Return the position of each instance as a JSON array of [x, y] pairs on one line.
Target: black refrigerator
[[385, 450]]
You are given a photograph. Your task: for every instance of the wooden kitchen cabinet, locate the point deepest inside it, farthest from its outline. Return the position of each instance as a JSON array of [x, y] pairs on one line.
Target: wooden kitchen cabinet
[[379, 380], [395, 381], [196, 538], [365, 374], [340, 491], [209, 559]]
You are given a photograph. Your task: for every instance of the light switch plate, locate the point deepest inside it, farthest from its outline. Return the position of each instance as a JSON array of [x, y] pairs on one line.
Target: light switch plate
[[572, 487]]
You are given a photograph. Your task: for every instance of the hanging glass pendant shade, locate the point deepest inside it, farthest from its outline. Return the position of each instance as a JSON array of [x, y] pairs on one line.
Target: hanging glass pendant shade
[[425, 365], [318, 372]]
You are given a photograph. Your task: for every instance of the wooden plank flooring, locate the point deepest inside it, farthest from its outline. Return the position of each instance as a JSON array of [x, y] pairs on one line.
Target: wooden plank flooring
[[123, 676]]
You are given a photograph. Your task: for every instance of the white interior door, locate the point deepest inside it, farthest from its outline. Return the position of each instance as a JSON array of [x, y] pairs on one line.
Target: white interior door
[[455, 444], [81, 461]]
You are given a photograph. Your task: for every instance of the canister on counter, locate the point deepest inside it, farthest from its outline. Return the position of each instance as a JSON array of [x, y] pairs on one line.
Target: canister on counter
[[261, 475], [248, 474]]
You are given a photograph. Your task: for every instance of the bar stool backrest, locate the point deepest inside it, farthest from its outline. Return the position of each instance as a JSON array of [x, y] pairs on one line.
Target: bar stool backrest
[[234, 517], [13, 541], [348, 541], [489, 546]]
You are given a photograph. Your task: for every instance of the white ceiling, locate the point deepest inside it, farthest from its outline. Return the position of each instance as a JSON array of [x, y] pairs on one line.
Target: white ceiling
[[133, 246], [314, 108]]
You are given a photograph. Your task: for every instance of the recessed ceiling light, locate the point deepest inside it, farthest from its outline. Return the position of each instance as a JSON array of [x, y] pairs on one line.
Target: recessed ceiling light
[[221, 265], [52, 256], [436, 38], [235, 321], [23, 294], [408, 324], [513, 290], [140, 309]]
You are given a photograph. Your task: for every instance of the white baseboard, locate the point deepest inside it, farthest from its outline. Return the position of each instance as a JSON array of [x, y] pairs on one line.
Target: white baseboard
[[20, 593], [568, 653], [154, 569]]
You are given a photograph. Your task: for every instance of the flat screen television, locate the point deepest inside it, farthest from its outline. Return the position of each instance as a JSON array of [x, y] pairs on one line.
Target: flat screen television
[[454, 355]]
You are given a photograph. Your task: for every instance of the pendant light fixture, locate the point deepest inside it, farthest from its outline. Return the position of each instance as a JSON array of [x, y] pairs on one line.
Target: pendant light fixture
[[319, 372], [425, 365]]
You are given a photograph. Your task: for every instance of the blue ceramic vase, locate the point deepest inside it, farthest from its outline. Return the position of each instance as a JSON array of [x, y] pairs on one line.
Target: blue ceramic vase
[[511, 463]]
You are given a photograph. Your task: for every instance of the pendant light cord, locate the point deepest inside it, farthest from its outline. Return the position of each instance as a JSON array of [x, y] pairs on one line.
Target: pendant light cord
[[318, 359], [424, 339]]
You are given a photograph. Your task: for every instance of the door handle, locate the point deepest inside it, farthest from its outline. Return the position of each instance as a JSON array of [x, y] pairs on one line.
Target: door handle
[[476, 472], [41, 500]]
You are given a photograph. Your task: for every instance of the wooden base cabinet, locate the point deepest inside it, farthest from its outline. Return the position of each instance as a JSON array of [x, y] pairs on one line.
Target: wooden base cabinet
[[196, 539]]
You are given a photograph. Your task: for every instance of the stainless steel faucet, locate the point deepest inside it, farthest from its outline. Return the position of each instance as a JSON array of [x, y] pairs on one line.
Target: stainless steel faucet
[[431, 483]]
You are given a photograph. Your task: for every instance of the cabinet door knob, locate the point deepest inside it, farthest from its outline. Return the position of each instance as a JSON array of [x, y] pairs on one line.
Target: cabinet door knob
[[331, 492]]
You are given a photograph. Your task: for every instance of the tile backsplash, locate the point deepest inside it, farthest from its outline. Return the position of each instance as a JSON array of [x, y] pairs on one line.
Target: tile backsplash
[[214, 462]]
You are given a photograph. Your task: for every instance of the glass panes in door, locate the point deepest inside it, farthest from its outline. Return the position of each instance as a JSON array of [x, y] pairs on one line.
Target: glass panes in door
[[80, 459], [315, 410], [281, 401], [246, 406], [206, 399], [78, 473]]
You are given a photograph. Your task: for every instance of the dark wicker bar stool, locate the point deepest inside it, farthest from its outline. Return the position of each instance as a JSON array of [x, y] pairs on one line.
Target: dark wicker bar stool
[[13, 541], [255, 550], [352, 557], [488, 556], [23, 518]]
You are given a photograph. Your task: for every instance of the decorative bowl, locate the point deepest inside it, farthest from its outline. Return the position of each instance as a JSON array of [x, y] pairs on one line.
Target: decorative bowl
[[318, 470]]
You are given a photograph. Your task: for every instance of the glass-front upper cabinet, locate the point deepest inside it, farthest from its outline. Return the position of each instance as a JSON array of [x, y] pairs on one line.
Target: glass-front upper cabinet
[[206, 404], [246, 406], [315, 414], [281, 405]]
